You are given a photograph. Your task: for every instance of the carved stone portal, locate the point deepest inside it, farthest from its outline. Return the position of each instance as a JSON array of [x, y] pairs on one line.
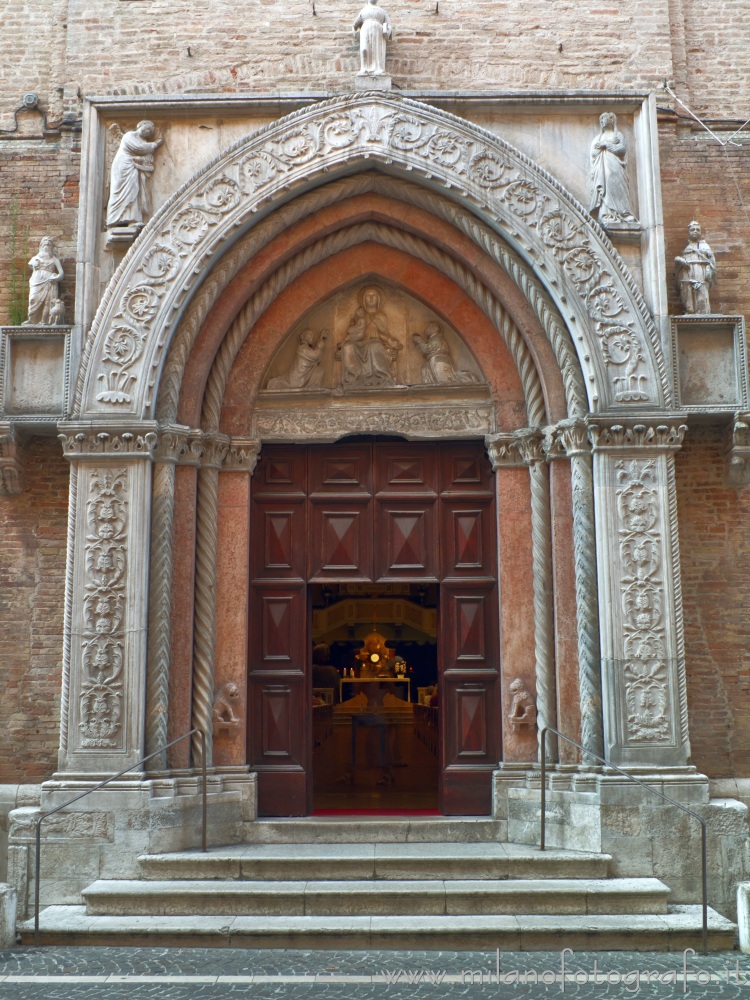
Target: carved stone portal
[[381, 338]]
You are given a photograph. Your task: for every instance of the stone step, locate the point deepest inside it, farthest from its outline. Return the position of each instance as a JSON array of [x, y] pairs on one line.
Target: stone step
[[375, 861], [675, 930], [386, 829], [384, 897]]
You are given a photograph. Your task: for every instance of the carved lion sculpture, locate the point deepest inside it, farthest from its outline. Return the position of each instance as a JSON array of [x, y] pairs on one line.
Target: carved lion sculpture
[[226, 697]]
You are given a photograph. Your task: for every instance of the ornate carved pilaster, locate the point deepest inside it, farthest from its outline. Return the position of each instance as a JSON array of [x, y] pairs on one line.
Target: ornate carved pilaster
[[10, 464], [640, 600], [215, 448], [515, 450], [172, 443], [569, 439], [106, 609]]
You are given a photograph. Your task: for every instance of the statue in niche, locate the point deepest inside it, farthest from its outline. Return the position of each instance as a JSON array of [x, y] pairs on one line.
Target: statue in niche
[[522, 707], [305, 372], [610, 195], [438, 368], [368, 352], [374, 28], [129, 202], [695, 272], [46, 274]]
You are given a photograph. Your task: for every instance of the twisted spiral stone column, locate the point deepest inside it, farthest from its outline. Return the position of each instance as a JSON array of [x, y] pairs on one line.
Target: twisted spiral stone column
[[214, 450], [529, 443], [67, 619], [169, 449], [569, 439]]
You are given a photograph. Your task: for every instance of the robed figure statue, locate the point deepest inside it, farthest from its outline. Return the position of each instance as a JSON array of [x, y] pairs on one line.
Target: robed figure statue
[[46, 275], [610, 196], [129, 203], [374, 27], [695, 271]]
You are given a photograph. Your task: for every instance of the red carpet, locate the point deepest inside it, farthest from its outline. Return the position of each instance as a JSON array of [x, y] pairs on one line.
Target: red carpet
[[376, 812]]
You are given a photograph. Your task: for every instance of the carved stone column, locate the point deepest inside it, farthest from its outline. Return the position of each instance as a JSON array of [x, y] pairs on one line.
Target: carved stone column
[[215, 448], [171, 444], [106, 621], [569, 439], [524, 447], [640, 600]]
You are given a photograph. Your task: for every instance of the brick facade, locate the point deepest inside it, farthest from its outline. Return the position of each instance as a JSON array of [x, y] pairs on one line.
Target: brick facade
[[33, 527]]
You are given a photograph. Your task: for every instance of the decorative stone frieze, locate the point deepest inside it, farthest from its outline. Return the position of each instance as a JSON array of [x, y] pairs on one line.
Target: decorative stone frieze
[[79, 442], [641, 630], [10, 461], [307, 424], [153, 284]]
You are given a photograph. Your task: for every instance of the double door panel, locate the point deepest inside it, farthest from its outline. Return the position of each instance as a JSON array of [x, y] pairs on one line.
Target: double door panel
[[373, 513]]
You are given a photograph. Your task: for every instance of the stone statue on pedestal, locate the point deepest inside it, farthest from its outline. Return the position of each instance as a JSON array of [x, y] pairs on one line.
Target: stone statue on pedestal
[[374, 28], [610, 196], [695, 272], [46, 274], [129, 202]]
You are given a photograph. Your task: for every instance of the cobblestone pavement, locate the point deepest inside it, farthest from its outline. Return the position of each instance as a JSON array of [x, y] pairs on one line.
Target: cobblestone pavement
[[207, 973]]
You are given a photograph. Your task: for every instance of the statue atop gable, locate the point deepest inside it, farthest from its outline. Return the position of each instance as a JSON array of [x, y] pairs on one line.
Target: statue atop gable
[[374, 28]]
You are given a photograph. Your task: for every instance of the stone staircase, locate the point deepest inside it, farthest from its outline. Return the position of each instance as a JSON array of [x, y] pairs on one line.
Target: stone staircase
[[409, 883]]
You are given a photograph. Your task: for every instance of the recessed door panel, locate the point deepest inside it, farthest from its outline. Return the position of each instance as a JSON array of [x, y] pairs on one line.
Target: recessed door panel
[[341, 540], [278, 529], [407, 543], [466, 469], [277, 619], [406, 469], [281, 469], [341, 470], [470, 620], [469, 545]]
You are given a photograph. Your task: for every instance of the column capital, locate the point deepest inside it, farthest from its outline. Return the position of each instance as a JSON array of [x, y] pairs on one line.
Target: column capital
[[215, 448], [663, 434], [242, 455], [100, 442], [515, 449], [171, 443], [566, 439]]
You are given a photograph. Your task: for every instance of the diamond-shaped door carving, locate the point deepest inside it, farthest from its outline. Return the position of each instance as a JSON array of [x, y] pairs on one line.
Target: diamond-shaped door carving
[[407, 543], [277, 613], [278, 533], [341, 541], [469, 544], [471, 710]]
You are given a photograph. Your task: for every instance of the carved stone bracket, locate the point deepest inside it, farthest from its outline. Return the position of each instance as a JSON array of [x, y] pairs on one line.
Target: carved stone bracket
[[738, 450], [628, 435], [504, 451], [10, 462]]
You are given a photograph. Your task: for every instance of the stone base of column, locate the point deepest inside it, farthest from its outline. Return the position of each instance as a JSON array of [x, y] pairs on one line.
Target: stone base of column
[[588, 810], [102, 835]]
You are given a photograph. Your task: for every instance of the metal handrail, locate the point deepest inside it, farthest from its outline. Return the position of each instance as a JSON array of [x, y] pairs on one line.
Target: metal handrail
[[650, 788], [107, 781]]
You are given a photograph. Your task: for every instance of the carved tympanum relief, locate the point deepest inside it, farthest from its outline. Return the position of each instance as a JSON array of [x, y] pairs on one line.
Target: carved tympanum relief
[[381, 338], [101, 694]]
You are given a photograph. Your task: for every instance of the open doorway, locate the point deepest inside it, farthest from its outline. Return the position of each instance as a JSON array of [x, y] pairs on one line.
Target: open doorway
[[374, 694]]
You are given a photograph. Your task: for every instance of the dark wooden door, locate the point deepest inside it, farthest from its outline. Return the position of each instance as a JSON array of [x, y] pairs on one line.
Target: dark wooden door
[[374, 512]]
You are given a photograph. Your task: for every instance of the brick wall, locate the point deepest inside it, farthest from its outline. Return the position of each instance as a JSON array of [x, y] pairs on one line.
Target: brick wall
[[33, 528], [715, 553]]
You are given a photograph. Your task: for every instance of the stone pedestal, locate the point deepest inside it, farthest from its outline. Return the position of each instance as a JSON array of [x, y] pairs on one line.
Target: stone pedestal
[[378, 83]]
